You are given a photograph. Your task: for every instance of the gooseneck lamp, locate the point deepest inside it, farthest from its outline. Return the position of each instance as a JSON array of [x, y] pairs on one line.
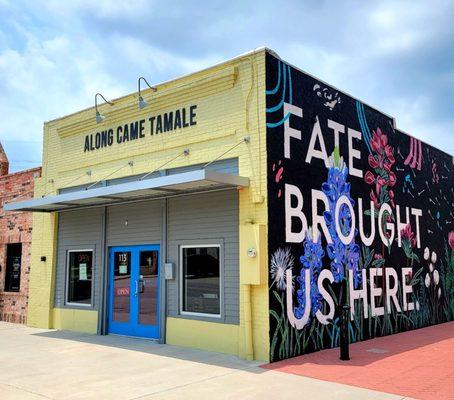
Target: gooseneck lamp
[[142, 102], [99, 116]]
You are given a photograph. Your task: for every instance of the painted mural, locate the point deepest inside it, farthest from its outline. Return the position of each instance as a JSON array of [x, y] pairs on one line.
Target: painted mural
[[359, 213]]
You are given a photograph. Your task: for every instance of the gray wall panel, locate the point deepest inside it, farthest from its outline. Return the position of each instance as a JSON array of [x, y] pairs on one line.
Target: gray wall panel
[[197, 219], [78, 230], [143, 227], [205, 219]]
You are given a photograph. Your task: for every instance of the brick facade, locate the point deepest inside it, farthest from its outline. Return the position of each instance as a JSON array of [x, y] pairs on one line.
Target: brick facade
[[15, 227]]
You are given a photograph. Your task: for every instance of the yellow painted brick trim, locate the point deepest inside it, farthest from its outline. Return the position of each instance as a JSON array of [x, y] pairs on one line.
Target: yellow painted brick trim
[[85, 321], [222, 338], [192, 90]]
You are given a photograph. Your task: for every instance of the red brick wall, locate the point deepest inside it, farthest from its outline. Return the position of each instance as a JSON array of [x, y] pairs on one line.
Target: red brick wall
[[16, 227]]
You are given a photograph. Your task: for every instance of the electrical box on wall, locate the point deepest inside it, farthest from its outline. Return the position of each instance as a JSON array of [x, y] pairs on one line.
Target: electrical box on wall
[[254, 249], [169, 272]]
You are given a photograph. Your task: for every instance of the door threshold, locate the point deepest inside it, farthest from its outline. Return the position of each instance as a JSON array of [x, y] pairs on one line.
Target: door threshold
[[157, 341]]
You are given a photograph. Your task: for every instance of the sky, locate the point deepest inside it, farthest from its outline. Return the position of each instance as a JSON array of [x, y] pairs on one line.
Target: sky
[[397, 56]]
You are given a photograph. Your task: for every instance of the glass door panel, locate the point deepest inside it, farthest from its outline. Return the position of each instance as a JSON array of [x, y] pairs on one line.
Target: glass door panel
[[148, 287], [122, 286]]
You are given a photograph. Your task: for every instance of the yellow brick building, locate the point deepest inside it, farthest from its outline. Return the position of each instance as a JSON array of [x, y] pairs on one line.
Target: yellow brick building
[[132, 209]]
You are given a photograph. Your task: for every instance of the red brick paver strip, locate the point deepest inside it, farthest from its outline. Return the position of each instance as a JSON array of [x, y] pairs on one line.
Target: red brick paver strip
[[418, 364]]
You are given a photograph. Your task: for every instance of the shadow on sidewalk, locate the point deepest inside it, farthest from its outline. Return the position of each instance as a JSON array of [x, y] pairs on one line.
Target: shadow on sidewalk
[[152, 347]]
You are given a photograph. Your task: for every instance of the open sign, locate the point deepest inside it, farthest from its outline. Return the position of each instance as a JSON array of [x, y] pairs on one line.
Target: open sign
[[122, 291]]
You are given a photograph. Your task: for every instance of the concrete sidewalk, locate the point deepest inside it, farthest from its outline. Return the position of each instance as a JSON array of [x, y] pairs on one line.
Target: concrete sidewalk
[[46, 364]]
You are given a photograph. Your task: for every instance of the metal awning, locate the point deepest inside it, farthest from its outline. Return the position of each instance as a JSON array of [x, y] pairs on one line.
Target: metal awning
[[164, 186]]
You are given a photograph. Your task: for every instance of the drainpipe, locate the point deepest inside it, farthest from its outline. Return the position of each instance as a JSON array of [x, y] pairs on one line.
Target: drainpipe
[[163, 260], [104, 279], [162, 279], [248, 322]]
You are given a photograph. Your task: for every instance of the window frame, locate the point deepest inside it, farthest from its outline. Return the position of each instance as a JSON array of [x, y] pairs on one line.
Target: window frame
[[73, 303], [221, 290], [8, 273]]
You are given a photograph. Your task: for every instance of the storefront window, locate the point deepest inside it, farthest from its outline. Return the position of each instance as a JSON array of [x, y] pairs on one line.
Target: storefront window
[[80, 266], [13, 267], [200, 267]]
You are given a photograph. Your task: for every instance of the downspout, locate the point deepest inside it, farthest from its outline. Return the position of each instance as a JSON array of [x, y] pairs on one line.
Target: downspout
[[102, 307], [53, 278], [247, 304], [248, 322], [162, 280], [163, 259]]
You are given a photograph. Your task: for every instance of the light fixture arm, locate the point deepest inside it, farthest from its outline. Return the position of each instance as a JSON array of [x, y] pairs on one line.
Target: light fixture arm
[[96, 101], [146, 82]]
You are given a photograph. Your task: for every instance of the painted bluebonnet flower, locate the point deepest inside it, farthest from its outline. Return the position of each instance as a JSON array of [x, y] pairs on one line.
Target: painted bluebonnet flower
[[311, 260], [342, 256]]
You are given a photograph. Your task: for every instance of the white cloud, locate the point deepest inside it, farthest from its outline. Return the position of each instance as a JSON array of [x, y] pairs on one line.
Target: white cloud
[[54, 55], [45, 80], [102, 8], [146, 58], [396, 27]]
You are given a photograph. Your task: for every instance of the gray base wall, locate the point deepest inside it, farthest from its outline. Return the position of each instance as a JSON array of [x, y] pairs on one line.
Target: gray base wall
[[208, 218]]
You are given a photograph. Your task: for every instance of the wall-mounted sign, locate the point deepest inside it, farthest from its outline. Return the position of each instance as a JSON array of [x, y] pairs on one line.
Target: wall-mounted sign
[[155, 124], [122, 263], [83, 276]]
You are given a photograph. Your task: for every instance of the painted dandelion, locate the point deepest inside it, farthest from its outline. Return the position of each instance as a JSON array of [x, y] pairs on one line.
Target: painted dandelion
[[281, 261]]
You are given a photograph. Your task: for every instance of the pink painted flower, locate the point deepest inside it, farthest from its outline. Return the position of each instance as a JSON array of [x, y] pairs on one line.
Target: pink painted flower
[[379, 140], [392, 178], [451, 239], [389, 154], [369, 178], [391, 198], [372, 161], [383, 138], [379, 183], [374, 198], [381, 161], [407, 234], [376, 143]]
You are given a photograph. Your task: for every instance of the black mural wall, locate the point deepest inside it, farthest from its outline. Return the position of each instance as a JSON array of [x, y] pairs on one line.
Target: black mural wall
[[358, 212]]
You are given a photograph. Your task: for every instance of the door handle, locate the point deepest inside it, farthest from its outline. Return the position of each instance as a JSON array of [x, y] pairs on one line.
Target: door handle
[[141, 285]]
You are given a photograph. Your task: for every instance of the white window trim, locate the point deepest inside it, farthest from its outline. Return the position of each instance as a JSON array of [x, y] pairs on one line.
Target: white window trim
[[195, 314], [72, 303]]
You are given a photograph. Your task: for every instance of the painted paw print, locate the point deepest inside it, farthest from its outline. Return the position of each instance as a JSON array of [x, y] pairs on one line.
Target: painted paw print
[[278, 172]]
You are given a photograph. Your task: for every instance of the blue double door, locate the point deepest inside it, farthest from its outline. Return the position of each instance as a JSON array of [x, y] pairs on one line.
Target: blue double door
[[134, 291]]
